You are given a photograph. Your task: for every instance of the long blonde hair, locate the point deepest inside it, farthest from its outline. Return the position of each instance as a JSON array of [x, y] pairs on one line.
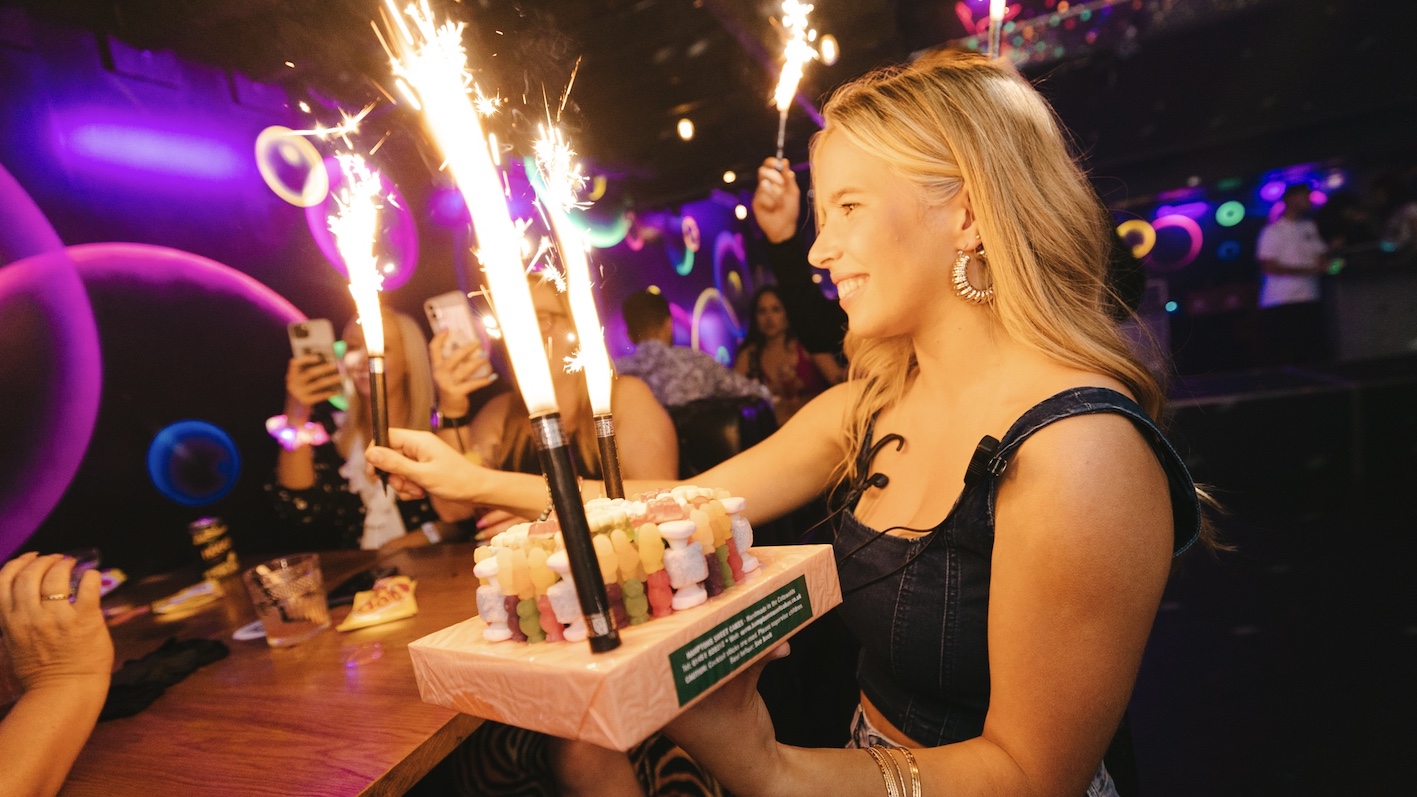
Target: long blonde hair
[[418, 381], [956, 119]]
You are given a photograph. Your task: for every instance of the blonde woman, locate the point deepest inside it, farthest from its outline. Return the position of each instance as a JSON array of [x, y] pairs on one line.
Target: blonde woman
[[1010, 510]]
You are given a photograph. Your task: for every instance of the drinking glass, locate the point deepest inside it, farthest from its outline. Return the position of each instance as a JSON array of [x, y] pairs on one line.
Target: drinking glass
[[289, 594]]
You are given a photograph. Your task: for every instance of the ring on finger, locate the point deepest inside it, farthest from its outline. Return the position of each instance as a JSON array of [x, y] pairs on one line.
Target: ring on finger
[[57, 596]]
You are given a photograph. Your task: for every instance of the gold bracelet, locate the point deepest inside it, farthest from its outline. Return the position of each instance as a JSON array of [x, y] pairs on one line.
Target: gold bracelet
[[914, 771], [891, 789]]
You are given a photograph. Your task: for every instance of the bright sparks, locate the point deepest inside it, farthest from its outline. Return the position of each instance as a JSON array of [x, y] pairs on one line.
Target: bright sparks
[[563, 181], [348, 126], [355, 224], [430, 67], [796, 53]]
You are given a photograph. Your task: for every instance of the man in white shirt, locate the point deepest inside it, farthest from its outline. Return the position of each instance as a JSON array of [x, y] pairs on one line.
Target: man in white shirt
[[1292, 256]]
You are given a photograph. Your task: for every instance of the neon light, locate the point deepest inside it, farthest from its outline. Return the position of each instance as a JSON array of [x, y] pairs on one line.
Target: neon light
[[1139, 234], [193, 463], [1191, 228], [1194, 210], [1172, 307], [1230, 213], [155, 151]]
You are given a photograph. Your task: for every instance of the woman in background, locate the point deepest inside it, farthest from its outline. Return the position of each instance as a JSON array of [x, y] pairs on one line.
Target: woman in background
[[320, 486], [772, 355]]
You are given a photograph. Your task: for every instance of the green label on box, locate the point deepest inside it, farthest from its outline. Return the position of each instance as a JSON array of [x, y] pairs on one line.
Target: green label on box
[[718, 652]]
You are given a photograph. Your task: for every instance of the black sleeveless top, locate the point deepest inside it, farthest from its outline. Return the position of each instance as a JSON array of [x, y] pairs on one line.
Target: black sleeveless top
[[924, 627]]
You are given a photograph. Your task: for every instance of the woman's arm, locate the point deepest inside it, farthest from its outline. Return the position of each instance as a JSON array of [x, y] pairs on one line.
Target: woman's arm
[[1076, 584], [62, 656], [777, 475], [743, 360], [308, 381], [648, 442], [456, 378], [829, 368]]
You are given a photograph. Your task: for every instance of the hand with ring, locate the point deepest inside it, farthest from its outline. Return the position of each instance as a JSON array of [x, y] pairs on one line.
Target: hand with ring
[[49, 641]]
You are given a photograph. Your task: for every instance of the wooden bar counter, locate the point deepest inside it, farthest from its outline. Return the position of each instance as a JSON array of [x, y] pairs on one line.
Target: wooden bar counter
[[291, 721]]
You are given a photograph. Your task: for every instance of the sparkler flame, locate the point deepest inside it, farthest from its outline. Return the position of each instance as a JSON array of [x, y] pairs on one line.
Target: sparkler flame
[[348, 126], [563, 180], [796, 53], [354, 225], [430, 64]]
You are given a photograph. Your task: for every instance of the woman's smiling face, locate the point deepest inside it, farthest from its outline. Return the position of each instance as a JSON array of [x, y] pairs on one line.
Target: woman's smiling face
[[889, 251]]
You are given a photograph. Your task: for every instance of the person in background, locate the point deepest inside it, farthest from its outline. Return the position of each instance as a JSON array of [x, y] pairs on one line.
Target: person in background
[[772, 354], [320, 486], [60, 656], [1009, 509], [777, 202], [676, 375], [1396, 213], [1292, 255]]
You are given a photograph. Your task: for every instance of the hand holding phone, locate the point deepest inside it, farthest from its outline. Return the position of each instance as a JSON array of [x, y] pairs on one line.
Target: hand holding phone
[[313, 374], [449, 312]]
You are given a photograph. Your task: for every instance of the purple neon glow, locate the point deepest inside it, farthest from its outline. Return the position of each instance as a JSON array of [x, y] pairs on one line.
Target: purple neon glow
[[1194, 210], [160, 152], [24, 231], [397, 241], [160, 265], [1273, 190], [45, 291], [1192, 229]]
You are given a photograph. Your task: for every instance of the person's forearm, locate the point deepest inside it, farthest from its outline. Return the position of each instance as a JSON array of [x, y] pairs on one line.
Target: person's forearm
[[295, 470], [43, 734]]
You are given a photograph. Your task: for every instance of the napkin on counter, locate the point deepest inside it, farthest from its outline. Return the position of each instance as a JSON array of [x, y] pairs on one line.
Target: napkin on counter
[[141, 681]]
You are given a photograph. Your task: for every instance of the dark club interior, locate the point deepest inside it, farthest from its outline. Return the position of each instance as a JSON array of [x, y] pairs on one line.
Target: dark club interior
[[171, 173]]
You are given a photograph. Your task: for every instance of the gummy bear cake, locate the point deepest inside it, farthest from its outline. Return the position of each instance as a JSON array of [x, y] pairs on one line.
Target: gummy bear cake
[[659, 552]]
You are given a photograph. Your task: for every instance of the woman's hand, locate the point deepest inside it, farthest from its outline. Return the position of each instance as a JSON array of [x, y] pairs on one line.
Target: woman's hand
[[457, 374], [309, 381], [495, 522], [777, 200], [420, 464], [51, 643], [735, 710]]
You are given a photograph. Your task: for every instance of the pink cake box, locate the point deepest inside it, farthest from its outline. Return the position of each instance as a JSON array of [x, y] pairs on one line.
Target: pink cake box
[[662, 667]]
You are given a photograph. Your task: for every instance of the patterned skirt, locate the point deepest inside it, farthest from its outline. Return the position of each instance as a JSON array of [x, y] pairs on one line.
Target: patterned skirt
[[502, 761]]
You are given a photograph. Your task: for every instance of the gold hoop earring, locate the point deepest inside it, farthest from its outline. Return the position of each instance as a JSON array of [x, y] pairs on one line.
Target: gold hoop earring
[[961, 281]]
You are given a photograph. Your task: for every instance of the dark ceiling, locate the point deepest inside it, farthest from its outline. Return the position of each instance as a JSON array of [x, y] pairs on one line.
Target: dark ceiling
[[1120, 79]]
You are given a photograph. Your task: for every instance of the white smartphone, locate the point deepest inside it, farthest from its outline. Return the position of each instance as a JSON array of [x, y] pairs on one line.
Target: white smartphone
[[451, 312], [314, 336]]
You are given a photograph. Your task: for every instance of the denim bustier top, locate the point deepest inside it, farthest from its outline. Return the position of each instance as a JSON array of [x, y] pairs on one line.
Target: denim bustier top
[[923, 628]]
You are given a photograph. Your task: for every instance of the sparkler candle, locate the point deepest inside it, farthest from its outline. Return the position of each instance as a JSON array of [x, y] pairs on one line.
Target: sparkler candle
[[561, 179], [996, 27], [354, 226], [430, 65], [797, 52]]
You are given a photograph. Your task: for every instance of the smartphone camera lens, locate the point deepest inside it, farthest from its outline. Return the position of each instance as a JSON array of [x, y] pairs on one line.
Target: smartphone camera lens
[[300, 331]]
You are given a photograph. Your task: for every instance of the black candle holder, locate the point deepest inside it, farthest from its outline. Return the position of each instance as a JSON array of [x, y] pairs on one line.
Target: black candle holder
[[556, 463], [379, 406], [609, 456]]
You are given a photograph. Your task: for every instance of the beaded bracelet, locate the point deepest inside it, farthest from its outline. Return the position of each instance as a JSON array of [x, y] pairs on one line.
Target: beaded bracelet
[[292, 437]]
